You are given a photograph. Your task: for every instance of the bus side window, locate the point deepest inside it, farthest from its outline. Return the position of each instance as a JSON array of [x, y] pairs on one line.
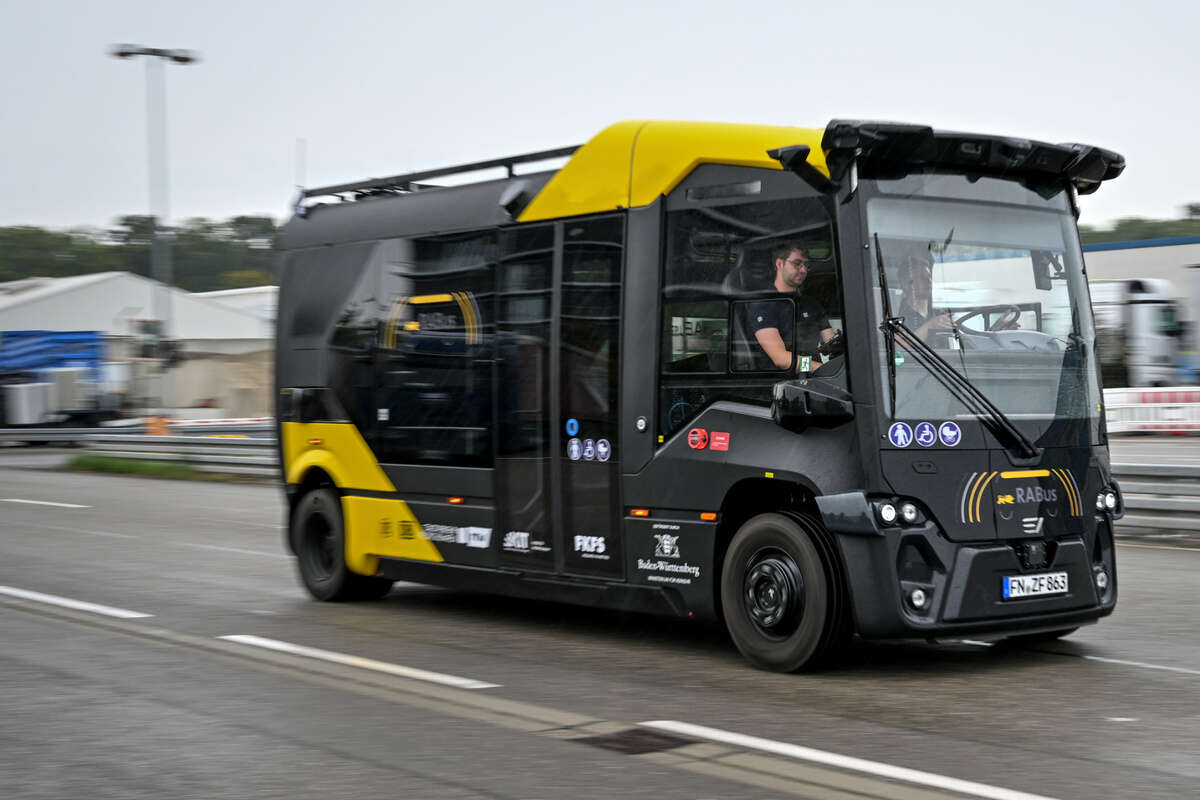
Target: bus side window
[[435, 375]]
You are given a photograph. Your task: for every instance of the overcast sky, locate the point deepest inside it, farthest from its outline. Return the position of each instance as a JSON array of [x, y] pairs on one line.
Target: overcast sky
[[379, 88]]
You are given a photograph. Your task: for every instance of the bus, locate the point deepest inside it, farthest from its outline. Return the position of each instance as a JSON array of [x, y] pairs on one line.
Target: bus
[[1138, 332], [575, 376]]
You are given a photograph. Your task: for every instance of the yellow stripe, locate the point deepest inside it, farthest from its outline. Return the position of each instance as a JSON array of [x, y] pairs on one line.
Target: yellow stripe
[[1070, 489], [430, 298], [979, 499], [1026, 473], [1067, 489], [470, 324], [971, 497], [1074, 492]]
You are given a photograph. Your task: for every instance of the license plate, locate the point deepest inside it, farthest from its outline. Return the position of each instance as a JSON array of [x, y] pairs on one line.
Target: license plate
[[1017, 586]]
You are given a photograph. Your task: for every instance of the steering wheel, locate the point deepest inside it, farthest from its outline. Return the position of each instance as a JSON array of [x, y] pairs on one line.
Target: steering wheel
[[1007, 321]]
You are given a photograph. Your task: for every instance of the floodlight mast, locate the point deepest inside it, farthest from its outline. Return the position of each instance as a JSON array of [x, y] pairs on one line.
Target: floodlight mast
[[156, 145]]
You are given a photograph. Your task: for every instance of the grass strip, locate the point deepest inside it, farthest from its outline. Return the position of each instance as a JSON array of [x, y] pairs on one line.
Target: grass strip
[[90, 462]]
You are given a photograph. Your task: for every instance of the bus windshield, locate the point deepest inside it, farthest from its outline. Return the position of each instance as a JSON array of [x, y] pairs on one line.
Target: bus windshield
[[990, 276]]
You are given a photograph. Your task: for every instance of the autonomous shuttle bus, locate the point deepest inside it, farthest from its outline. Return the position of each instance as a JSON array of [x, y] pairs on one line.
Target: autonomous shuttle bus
[[812, 382]]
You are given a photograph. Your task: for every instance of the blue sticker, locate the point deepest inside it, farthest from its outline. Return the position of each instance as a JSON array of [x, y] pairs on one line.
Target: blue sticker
[[574, 449], [572, 426], [950, 434], [925, 434], [589, 450], [900, 434], [603, 450]]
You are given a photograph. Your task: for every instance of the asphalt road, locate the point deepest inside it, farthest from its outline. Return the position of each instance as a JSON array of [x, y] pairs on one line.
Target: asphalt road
[[520, 699]]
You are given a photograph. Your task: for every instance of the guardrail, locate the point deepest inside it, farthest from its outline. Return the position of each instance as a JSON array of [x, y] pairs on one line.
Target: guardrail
[[230, 454], [1160, 496]]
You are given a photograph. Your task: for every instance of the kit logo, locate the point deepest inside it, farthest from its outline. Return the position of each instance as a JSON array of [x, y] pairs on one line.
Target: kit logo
[[516, 540], [1032, 525], [589, 545], [667, 545]]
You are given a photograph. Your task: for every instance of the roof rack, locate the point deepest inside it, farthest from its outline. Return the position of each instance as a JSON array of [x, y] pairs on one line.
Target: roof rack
[[407, 183]]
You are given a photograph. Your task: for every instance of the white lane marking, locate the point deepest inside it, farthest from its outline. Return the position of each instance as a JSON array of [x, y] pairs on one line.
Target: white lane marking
[[1143, 665], [66, 602], [363, 663], [40, 503], [1122, 719], [221, 549], [842, 762], [975, 643]]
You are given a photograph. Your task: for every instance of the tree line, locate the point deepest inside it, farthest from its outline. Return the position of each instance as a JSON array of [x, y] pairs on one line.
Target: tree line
[[205, 254], [238, 252]]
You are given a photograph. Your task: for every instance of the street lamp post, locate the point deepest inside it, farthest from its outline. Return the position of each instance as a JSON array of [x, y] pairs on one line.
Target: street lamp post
[[156, 146]]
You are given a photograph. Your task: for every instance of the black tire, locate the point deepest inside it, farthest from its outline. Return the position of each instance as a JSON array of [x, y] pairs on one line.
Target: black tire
[[1040, 638], [320, 544], [782, 593]]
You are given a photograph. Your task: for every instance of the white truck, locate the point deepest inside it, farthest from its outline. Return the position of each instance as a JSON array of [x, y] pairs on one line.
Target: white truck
[[1138, 332]]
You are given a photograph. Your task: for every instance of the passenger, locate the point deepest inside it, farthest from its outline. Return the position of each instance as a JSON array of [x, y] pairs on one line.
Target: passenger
[[772, 322], [916, 281]]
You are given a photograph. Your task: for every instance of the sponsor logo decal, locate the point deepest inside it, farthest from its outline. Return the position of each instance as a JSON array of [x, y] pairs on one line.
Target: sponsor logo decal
[[524, 542], [925, 434], [668, 571], [667, 545], [1032, 525], [720, 441], [592, 547], [1005, 500], [900, 434], [697, 438], [449, 534]]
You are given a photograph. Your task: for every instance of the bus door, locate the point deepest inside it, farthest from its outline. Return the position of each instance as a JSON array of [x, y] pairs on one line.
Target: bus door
[[588, 366], [556, 388]]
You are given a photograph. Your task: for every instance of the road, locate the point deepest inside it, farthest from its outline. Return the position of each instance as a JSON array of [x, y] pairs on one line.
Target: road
[[441, 694]]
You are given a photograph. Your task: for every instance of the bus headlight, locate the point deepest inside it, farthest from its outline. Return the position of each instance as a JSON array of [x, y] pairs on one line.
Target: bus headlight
[[887, 513], [1100, 502], [1110, 501], [908, 513]]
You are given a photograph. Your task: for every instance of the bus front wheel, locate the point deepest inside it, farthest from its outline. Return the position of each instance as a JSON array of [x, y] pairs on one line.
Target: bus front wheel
[[780, 605], [320, 542]]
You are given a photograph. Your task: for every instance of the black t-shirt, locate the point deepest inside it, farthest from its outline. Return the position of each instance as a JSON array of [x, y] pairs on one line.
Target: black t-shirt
[[810, 320]]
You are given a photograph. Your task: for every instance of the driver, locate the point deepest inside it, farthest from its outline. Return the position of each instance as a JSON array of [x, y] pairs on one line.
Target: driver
[[916, 280], [771, 322]]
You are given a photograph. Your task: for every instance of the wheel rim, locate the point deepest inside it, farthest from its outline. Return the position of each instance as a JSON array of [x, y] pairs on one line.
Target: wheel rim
[[774, 593], [320, 547]]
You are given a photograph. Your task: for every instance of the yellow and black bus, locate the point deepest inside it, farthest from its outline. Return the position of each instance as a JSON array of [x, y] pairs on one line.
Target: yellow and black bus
[[812, 382]]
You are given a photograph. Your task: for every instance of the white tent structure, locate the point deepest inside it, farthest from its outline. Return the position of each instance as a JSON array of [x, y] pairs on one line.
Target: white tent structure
[[227, 352]]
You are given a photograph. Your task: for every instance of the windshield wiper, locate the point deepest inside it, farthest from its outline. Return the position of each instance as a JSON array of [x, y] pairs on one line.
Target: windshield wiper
[[962, 389]]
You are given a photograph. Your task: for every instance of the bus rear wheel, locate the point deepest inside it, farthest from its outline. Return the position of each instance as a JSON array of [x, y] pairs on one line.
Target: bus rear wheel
[[320, 542], [780, 593]]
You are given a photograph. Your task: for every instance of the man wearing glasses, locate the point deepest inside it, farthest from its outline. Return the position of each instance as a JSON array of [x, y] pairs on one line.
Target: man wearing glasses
[[773, 323]]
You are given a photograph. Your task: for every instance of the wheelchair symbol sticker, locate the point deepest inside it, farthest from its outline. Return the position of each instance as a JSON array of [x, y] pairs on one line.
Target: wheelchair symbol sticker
[[589, 450], [925, 434]]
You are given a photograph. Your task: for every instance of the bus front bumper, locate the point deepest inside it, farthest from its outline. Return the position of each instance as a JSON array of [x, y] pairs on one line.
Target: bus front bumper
[[910, 582]]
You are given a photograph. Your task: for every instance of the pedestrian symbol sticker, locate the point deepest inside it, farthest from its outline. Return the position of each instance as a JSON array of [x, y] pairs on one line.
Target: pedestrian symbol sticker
[[603, 450], [900, 434], [950, 434], [925, 434], [589, 450], [574, 449]]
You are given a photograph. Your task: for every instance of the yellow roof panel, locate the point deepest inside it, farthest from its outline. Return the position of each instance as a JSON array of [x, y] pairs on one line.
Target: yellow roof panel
[[632, 163]]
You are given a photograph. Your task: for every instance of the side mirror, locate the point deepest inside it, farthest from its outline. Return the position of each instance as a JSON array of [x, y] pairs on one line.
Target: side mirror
[[810, 401]]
